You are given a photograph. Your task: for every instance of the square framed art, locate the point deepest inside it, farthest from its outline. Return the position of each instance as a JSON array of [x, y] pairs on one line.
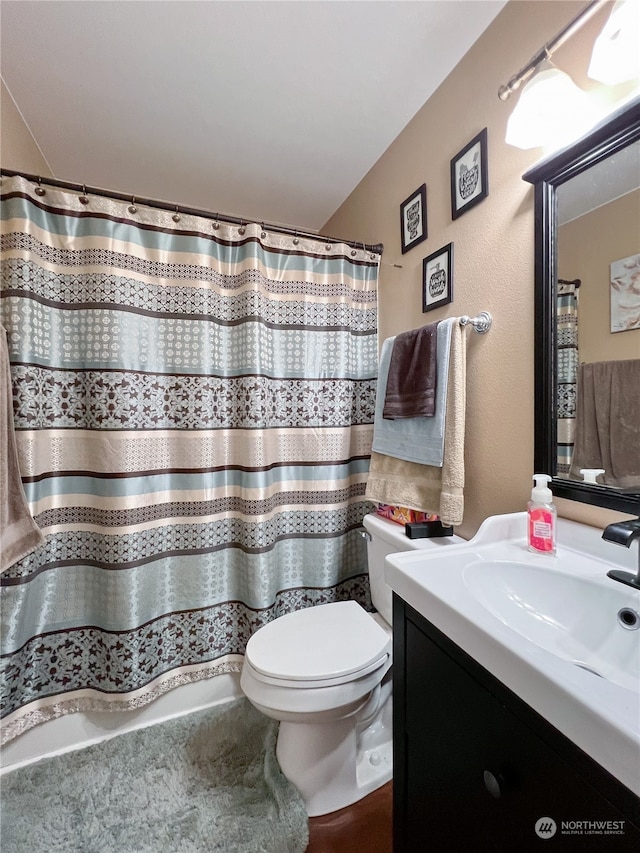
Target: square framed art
[[623, 288], [437, 278], [469, 175], [413, 219]]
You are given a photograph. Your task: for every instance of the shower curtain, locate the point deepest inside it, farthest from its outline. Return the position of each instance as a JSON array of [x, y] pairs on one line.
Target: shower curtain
[[193, 409], [567, 373]]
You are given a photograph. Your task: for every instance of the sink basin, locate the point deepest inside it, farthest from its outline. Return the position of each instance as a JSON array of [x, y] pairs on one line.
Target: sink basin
[[590, 622]]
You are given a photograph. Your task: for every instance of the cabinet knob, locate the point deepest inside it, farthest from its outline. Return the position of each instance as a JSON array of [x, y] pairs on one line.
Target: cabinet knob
[[492, 783]]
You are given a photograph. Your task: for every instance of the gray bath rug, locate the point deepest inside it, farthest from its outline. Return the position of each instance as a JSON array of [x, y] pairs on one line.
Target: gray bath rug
[[209, 781]]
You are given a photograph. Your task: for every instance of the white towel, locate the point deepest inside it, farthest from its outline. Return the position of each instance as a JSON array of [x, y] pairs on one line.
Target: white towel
[[19, 534], [415, 439]]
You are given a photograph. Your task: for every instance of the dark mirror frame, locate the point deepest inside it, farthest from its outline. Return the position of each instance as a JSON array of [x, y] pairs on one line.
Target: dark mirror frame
[[618, 131]]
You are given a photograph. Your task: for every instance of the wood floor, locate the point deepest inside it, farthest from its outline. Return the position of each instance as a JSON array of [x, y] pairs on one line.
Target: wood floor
[[364, 827]]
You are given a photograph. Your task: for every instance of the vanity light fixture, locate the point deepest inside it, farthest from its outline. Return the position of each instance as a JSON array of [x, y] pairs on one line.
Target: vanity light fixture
[[616, 52], [551, 111]]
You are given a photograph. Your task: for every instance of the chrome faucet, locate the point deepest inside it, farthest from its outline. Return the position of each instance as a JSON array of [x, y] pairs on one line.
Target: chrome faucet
[[623, 533]]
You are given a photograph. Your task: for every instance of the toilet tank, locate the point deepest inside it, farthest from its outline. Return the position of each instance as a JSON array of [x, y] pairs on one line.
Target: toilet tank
[[387, 537]]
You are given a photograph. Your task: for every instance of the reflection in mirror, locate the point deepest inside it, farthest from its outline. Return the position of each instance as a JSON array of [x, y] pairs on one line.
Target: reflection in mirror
[[598, 344], [587, 381]]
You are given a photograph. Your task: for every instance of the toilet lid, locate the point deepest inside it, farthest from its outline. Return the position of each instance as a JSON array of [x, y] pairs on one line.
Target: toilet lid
[[319, 643]]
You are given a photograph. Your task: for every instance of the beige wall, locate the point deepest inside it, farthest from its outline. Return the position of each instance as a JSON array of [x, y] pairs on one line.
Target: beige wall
[[586, 247], [18, 149], [493, 247]]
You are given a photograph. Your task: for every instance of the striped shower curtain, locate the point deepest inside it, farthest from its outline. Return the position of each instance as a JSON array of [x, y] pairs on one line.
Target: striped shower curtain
[[567, 373], [193, 408]]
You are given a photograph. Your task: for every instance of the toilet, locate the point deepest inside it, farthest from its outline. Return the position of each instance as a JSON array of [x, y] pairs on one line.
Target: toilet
[[325, 673]]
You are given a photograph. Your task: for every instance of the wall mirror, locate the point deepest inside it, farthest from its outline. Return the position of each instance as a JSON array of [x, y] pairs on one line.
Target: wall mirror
[[587, 235]]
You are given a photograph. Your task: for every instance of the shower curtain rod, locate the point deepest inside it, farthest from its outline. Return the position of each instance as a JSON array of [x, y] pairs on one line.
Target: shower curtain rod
[[377, 248]]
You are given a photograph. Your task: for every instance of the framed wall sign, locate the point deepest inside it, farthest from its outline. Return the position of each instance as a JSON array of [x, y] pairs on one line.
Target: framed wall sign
[[437, 278], [413, 219], [469, 175]]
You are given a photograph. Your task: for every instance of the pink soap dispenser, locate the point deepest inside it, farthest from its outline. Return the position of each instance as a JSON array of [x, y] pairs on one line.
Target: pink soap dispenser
[[541, 517]]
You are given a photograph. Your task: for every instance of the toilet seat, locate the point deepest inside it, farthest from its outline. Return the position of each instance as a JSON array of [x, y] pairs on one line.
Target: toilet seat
[[318, 647]]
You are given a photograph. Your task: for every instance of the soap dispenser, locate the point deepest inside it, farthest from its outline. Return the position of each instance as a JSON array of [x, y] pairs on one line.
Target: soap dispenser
[[541, 517]]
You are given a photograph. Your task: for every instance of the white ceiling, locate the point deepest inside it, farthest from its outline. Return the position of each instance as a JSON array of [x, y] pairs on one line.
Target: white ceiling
[[264, 109]]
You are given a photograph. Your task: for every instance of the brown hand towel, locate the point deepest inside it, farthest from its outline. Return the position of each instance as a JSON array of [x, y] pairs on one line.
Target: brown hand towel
[[411, 383], [19, 534]]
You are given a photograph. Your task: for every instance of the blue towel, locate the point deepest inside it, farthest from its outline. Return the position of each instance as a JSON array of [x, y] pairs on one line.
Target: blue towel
[[415, 439]]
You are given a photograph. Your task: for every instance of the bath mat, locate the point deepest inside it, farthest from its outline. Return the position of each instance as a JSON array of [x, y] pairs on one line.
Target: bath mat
[[209, 781]]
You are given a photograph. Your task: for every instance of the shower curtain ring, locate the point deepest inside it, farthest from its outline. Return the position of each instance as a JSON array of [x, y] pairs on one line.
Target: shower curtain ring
[[132, 207], [216, 224], [176, 215], [83, 199], [295, 239], [241, 229], [263, 233], [40, 190]]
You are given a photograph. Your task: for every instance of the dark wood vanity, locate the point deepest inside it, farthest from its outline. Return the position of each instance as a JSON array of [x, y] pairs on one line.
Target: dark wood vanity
[[476, 768]]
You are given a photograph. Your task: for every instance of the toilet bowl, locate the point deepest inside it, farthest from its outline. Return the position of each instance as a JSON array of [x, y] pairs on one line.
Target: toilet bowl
[[324, 673]]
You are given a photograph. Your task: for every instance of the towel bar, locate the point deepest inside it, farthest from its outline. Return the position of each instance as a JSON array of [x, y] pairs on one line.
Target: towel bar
[[481, 323]]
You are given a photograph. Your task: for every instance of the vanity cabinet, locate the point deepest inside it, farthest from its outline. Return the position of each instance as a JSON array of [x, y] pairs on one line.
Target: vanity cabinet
[[475, 768]]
